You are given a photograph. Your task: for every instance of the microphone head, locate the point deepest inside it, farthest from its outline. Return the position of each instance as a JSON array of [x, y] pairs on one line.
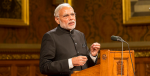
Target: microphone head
[[116, 38]]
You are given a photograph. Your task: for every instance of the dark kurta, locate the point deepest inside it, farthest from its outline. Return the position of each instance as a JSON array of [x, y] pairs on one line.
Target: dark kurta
[[58, 45]]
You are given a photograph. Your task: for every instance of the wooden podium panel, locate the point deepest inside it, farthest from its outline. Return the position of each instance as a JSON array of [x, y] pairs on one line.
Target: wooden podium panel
[[92, 71], [110, 62], [110, 65]]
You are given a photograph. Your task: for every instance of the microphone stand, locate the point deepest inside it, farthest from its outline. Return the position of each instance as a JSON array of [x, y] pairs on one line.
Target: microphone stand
[[122, 58], [117, 38]]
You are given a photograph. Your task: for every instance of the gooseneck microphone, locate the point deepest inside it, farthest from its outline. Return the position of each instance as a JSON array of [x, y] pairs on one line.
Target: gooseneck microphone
[[117, 38]]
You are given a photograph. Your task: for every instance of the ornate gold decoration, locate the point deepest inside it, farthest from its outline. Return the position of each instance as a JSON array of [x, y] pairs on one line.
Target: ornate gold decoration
[[19, 56], [142, 54], [37, 56]]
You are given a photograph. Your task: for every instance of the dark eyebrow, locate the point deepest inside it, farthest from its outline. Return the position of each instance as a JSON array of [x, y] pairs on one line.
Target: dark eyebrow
[[70, 13], [65, 14]]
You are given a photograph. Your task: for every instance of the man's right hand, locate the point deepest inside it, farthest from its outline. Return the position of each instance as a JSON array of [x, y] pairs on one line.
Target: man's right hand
[[79, 60]]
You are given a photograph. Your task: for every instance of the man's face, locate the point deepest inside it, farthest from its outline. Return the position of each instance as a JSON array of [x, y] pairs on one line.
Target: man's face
[[66, 18]]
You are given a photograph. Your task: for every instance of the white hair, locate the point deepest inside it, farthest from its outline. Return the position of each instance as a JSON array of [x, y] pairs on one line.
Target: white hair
[[56, 12]]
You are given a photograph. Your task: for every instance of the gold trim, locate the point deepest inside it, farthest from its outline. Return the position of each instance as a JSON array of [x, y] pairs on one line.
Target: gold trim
[[142, 54], [18, 56], [18, 22], [70, 2], [37, 56], [127, 19]]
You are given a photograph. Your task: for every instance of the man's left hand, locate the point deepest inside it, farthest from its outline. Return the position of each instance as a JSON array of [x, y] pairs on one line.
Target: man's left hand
[[94, 49]]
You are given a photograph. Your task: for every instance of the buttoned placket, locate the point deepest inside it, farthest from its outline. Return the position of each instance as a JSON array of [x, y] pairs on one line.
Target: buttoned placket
[[75, 44]]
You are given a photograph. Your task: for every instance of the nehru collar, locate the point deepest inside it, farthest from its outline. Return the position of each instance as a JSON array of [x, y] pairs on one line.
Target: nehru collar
[[65, 30]]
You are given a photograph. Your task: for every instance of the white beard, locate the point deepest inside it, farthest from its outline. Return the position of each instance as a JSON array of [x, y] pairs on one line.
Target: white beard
[[67, 26]]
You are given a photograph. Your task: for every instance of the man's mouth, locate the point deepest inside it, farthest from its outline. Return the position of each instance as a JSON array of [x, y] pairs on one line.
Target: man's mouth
[[71, 23]]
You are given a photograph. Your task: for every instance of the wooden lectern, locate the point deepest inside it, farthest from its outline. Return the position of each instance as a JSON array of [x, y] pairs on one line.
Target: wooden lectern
[[110, 65]]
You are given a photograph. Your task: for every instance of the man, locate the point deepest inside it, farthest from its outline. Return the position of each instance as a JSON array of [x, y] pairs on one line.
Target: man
[[64, 49]]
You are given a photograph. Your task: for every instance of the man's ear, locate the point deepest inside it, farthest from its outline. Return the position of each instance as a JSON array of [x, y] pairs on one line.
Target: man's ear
[[57, 20]]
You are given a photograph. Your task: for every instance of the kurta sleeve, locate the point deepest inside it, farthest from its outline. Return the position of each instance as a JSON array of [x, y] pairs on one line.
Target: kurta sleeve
[[47, 54]]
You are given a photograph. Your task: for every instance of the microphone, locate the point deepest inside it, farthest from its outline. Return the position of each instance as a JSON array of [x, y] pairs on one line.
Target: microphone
[[117, 38]]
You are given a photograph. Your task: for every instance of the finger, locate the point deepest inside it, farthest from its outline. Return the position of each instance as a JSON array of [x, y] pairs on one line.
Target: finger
[[92, 45], [82, 64], [80, 57], [96, 47], [83, 57], [83, 61], [96, 44]]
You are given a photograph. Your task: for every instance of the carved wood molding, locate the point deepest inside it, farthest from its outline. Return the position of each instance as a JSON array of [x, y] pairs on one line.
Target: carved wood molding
[[19, 56], [37, 56]]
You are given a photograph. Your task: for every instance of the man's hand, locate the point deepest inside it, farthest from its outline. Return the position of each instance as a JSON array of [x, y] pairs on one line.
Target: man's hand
[[79, 60], [94, 49]]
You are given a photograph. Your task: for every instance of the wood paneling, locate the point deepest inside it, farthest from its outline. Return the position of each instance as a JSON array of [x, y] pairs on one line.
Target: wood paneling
[[31, 67], [20, 68], [142, 66]]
